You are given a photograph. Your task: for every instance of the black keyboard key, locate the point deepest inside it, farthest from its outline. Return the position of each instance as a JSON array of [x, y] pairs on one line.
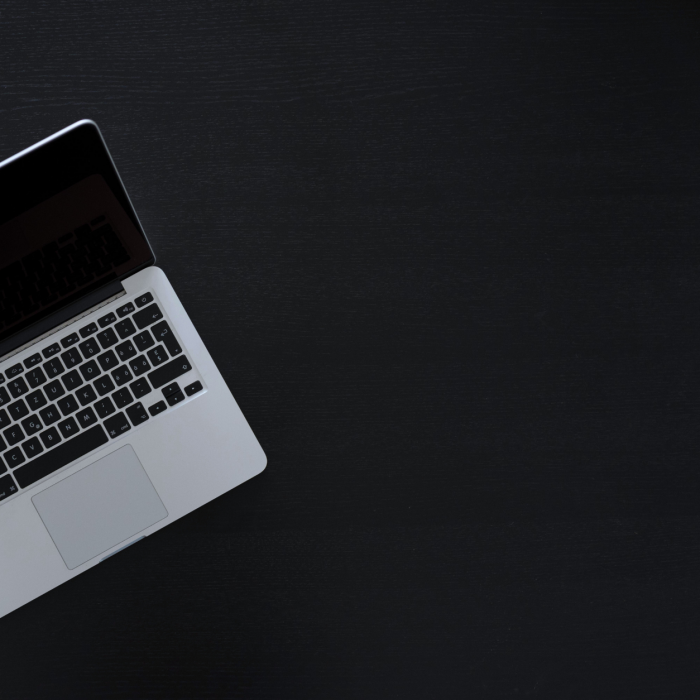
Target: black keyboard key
[[17, 387], [33, 360], [125, 328], [193, 388], [54, 367], [139, 365], [35, 377], [125, 351], [103, 385], [140, 388], [107, 320], [122, 397], [68, 427], [4, 419], [32, 425], [157, 355], [72, 380], [122, 375], [50, 415], [69, 340], [86, 395], [7, 487], [4, 396], [170, 371], [137, 414], [147, 316], [107, 338], [88, 330], [164, 334], [3, 447], [50, 437], [36, 400], [14, 371], [90, 370], [32, 448], [157, 408], [13, 435], [60, 456], [105, 407], [170, 389], [143, 299], [68, 405], [51, 350], [18, 409], [143, 341], [90, 348], [3, 468], [108, 360], [86, 417], [175, 398], [72, 357], [54, 390], [125, 310], [14, 457], [117, 425], [2, 378]]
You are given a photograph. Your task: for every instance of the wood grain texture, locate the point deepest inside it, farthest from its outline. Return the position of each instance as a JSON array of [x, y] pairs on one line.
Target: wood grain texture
[[446, 255]]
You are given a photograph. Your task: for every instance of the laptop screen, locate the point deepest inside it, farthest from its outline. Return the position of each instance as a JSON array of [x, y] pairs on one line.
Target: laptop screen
[[67, 229]]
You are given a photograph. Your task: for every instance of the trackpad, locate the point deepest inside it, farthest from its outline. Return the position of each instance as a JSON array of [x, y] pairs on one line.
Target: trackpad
[[99, 507]]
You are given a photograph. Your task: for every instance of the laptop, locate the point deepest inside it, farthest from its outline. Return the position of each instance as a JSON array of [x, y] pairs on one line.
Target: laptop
[[114, 420]]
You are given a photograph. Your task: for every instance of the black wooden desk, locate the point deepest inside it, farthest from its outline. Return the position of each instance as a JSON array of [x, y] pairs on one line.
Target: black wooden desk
[[447, 257]]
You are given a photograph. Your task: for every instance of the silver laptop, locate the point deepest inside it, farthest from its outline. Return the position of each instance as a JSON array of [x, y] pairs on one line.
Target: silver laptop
[[114, 420]]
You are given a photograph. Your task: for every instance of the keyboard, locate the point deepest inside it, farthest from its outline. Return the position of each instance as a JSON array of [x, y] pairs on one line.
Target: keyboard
[[85, 386]]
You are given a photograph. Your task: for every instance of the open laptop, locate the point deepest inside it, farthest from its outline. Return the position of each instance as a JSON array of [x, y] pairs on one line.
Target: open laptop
[[114, 420]]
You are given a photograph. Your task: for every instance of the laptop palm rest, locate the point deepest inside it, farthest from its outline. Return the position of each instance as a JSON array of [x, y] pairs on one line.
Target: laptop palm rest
[[99, 507]]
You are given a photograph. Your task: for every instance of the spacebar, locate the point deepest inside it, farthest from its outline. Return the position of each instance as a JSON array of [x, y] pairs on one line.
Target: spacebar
[[64, 454]]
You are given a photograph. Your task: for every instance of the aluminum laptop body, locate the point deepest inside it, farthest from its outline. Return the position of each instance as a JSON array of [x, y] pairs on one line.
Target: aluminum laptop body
[[114, 420]]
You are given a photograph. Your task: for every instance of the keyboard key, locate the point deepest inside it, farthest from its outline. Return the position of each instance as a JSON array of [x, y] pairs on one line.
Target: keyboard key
[[170, 389], [139, 365], [116, 425], [68, 427], [50, 415], [164, 334], [89, 348], [72, 357], [105, 407], [69, 340], [103, 385], [193, 388], [88, 330], [50, 437], [72, 380], [170, 371], [107, 338], [143, 341], [2, 378], [17, 387], [35, 377], [86, 395], [107, 320], [86, 417], [54, 367], [36, 400], [175, 398], [4, 396], [4, 419], [122, 397], [137, 414], [67, 405], [14, 457], [13, 435], [33, 360], [122, 375], [125, 328], [140, 388], [157, 355], [90, 370], [125, 310], [32, 448], [107, 360], [3, 447], [32, 425], [143, 299], [51, 350], [125, 351], [14, 371], [65, 453], [147, 316], [54, 390], [157, 408], [18, 409], [7, 487]]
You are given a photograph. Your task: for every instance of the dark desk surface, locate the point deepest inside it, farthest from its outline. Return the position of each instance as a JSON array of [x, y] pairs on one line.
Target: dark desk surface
[[447, 257]]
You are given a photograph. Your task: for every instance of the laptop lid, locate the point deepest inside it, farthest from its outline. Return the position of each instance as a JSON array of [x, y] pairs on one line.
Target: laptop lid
[[68, 233]]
